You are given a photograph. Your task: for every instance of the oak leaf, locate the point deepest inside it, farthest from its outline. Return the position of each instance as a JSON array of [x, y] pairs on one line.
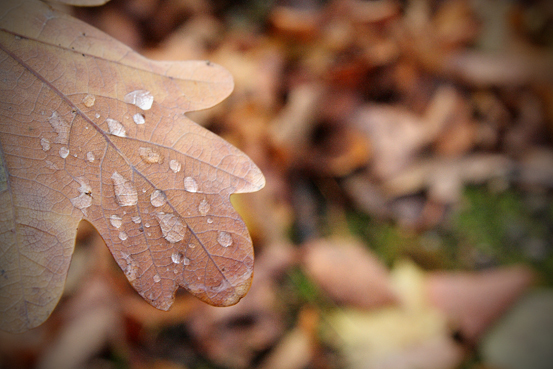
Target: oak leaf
[[91, 130]]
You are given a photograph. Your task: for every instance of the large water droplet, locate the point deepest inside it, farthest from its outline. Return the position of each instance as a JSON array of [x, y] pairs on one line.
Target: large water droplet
[[224, 239], [125, 193], [150, 156], [64, 152], [90, 156], [141, 98], [89, 100], [123, 236], [61, 127], [45, 144], [203, 208], [157, 278], [139, 118], [116, 128], [177, 257], [190, 184], [171, 227], [84, 200], [157, 198], [116, 220], [175, 166]]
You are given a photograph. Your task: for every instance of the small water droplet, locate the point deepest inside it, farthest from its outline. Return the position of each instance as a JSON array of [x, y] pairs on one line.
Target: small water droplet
[[185, 261], [157, 198], [177, 257], [150, 156], [175, 166], [147, 225], [45, 144], [141, 98], [209, 220], [123, 236], [97, 115], [131, 270], [125, 193], [51, 165], [90, 156], [17, 37], [139, 118], [64, 152], [116, 220], [191, 245], [136, 219], [224, 239], [203, 208], [116, 128], [171, 227], [157, 278], [190, 184], [89, 100]]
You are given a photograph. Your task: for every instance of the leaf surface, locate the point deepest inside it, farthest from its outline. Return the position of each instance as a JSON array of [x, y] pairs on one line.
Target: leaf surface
[[91, 130]]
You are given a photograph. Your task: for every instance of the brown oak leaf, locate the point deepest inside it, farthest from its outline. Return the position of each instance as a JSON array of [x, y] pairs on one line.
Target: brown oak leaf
[[91, 130]]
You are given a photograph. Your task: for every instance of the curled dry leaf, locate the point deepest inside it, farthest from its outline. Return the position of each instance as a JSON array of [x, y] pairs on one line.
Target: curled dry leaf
[[91, 130]]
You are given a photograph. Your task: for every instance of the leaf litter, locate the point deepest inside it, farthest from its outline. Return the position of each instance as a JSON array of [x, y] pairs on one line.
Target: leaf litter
[[420, 131]]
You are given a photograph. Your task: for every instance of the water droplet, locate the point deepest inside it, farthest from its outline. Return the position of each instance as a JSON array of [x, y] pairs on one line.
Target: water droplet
[[45, 144], [116, 220], [203, 207], [84, 200], [51, 165], [141, 98], [89, 100], [116, 128], [136, 219], [190, 184], [147, 225], [177, 257], [64, 152], [61, 127], [123, 236], [157, 198], [125, 193], [171, 227], [209, 220], [185, 261], [131, 270], [97, 115], [139, 118], [150, 156], [157, 278], [175, 166], [224, 239], [90, 156]]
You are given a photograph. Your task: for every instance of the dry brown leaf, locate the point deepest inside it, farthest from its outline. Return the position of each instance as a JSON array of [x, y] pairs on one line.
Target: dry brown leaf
[[91, 130]]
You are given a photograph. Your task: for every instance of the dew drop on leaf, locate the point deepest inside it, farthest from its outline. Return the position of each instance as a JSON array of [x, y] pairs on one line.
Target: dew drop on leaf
[[97, 115], [123, 236], [89, 101], [116, 128], [125, 193], [139, 118], [131, 270], [136, 219], [141, 98], [224, 239], [175, 166], [61, 127], [84, 200], [157, 198], [64, 152], [209, 220], [150, 156], [90, 156], [185, 261], [177, 257], [203, 208], [45, 144], [190, 184], [116, 220], [157, 278], [171, 227]]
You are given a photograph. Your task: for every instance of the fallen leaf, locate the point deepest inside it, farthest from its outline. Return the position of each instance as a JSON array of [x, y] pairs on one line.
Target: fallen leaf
[[91, 130]]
